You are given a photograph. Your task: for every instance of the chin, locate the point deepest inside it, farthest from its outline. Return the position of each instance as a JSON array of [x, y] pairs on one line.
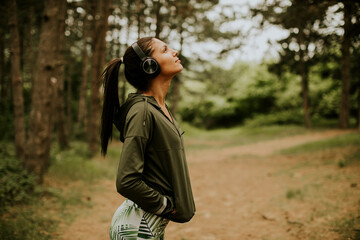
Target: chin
[[181, 68], [173, 71]]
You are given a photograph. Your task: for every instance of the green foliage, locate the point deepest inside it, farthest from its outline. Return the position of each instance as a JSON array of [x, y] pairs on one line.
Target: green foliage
[[210, 113], [248, 93], [25, 207], [75, 163], [231, 96], [285, 117], [16, 184], [325, 93], [17, 190], [26, 225]]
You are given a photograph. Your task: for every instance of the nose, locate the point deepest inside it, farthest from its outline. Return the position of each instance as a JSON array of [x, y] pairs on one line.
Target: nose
[[175, 53]]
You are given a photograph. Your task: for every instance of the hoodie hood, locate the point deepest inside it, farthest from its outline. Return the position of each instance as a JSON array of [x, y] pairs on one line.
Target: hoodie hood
[[133, 98]]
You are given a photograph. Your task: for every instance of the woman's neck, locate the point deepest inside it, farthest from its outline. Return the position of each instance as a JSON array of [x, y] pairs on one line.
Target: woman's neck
[[158, 90]]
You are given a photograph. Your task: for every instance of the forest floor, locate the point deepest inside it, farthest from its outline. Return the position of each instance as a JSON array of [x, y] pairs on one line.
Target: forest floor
[[251, 191]]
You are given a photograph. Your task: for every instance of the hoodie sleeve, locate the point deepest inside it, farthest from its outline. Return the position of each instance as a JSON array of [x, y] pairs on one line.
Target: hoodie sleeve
[[129, 183]]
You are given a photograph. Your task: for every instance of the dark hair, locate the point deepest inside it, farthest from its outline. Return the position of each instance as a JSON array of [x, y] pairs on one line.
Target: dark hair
[[134, 75]]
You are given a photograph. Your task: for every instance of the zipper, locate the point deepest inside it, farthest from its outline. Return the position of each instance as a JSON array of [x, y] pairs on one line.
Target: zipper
[[145, 110], [162, 112], [173, 122]]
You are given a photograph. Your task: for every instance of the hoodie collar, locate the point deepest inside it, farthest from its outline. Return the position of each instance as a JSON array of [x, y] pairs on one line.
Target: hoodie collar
[[133, 98]]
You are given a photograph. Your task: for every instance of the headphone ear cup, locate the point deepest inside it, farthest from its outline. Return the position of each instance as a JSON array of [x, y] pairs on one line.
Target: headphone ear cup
[[150, 66]]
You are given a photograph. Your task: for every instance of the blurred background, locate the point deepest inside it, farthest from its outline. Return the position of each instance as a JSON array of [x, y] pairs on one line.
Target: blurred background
[[254, 71]]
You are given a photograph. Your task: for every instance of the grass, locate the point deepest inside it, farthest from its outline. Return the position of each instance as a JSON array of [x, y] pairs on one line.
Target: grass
[[294, 193], [328, 157], [343, 141], [346, 140], [76, 163], [348, 227], [201, 138]]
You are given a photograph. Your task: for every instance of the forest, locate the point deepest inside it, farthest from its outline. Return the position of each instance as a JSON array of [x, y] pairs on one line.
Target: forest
[[52, 54]]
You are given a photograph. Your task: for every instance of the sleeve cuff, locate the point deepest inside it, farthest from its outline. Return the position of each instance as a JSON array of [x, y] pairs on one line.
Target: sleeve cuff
[[162, 207]]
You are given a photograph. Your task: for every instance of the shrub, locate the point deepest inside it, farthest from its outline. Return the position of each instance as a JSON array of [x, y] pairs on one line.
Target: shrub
[[217, 112], [294, 116], [26, 225], [16, 184]]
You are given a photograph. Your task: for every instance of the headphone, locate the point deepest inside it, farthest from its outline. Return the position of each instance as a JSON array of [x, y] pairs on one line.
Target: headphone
[[148, 64]]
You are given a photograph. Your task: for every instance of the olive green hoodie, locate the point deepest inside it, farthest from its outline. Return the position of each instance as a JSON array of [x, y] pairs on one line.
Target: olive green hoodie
[[153, 171]]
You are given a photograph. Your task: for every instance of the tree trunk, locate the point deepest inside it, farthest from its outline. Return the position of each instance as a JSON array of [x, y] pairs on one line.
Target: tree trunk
[[82, 111], [305, 96], [158, 19], [304, 81], [175, 94], [345, 69], [97, 63], [40, 124], [68, 101], [2, 72], [30, 56], [358, 118], [139, 12], [17, 87], [60, 106], [176, 84]]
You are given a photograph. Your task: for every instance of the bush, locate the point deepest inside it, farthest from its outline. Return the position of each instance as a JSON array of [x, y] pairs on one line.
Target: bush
[[16, 184], [26, 225], [294, 116], [217, 112]]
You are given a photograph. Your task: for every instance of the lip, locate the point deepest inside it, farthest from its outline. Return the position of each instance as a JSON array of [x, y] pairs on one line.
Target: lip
[[178, 60]]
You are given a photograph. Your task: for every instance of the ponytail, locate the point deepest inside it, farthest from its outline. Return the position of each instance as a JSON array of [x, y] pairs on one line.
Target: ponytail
[[111, 103]]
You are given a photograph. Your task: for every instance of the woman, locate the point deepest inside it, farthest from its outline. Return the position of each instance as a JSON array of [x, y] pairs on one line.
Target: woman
[[152, 173]]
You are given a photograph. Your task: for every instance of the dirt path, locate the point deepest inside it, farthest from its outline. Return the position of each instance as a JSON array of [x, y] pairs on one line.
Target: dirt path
[[239, 194]]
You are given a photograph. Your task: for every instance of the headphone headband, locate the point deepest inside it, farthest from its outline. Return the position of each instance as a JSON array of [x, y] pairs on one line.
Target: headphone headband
[[138, 51]]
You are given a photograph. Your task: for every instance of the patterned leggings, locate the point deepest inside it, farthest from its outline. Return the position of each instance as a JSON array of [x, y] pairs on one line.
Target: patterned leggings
[[130, 222]]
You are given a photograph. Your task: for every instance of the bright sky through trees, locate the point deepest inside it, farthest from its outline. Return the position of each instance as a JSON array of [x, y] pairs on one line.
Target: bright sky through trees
[[256, 42]]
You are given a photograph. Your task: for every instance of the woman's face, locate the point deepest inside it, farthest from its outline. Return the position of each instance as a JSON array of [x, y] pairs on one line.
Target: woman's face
[[167, 58]]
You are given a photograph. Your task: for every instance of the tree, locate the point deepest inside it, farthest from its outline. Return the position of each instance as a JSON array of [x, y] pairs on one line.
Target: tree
[[158, 17], [40, 122], [82, 110], [59, 75], [17, 87], [351, 11], [101, 13], [2, 72], [176, 17], [302, 19]]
